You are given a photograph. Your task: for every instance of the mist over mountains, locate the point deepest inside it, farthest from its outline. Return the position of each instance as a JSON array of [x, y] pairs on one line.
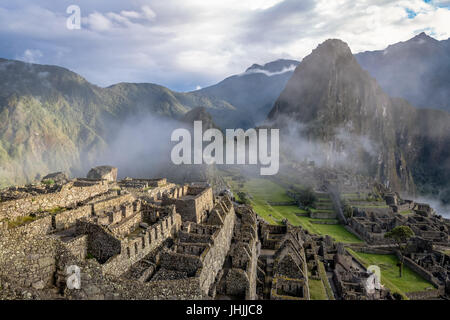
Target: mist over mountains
[[253, 92], [337, 105], [336, 112], [417, 70]]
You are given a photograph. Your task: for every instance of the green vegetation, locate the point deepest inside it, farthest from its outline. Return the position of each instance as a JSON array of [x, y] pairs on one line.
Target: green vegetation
[[307, 197], [372, 206], [56, 210], [260, 191], [400, 235], [410, 282], [48, 182], [320, 289], [321, 210], [317, 290], [323, 276], [242, 196], [20, 221], [266, 190]]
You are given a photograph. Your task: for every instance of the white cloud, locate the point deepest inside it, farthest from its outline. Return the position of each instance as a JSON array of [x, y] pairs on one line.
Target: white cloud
[[31, 56], [130, 14], [182, 44], [148, 12], [98, 22], [268, 73]]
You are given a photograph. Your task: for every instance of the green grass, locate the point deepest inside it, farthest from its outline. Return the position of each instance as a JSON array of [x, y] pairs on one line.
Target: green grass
[[317, 290], [321, 210], [350, 195], [49, 182], [336, 231], [267, 212], [410, 282], [326, 283], [262, 190], [20, 221], [370, 206], [56, 210], [278, 213]]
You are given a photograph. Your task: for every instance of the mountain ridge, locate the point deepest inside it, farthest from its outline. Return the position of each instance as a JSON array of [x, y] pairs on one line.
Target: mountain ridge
[[330, 92]]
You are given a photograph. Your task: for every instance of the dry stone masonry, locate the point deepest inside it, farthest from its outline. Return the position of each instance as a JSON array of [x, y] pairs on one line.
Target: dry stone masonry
[[153, 239]]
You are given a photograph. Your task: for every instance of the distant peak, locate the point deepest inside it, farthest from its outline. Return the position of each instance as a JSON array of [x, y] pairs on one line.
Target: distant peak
[[335, 45], [331, 50], [277, 66], [423, 37]]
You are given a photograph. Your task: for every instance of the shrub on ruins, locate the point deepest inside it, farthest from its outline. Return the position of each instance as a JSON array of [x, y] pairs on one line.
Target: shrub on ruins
[[400, 235], [48, 182], [307, 197], [243, 198], [347, 209]]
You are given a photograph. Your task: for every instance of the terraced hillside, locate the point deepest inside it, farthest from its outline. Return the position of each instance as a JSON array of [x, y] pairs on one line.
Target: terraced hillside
[[272, 202]]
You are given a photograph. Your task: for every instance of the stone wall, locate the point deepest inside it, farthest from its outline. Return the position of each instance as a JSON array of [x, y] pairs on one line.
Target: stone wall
[[425, 294], [111, 202], [69, 195], [214, 257], [133, 250], [181, 262], [194, 204], [101, 242], [67, 219], [420, 271], [77, 247], [323, 215], [27, 260]]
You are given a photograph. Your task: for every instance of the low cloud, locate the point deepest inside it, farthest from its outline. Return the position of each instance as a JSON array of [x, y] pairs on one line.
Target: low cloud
[[347, 150], [30, 56], [440, 208], [268, 73]]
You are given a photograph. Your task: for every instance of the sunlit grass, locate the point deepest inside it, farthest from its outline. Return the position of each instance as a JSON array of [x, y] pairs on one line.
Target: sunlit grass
[[317, 290], [409, 282]]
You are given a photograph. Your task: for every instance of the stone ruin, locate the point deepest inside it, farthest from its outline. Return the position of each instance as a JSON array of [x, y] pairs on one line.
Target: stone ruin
[[135, 238], [291, 257], [372, 223], [152, 239], [429, 261], [107, 173]]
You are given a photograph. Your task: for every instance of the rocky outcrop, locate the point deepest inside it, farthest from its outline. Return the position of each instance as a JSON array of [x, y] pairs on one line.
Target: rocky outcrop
[[107, 173], [336, 103]]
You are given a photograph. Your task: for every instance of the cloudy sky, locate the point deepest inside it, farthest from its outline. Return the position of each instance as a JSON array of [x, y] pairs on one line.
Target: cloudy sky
[[184, 44]]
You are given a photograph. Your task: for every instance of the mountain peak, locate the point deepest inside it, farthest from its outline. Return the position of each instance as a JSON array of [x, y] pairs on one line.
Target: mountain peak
[[336, 46], [329, 76], [331, 50], [422, 38], [275, 66]]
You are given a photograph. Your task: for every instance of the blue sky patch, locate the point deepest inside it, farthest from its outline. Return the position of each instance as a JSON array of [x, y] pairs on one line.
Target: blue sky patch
[[411, 13]]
